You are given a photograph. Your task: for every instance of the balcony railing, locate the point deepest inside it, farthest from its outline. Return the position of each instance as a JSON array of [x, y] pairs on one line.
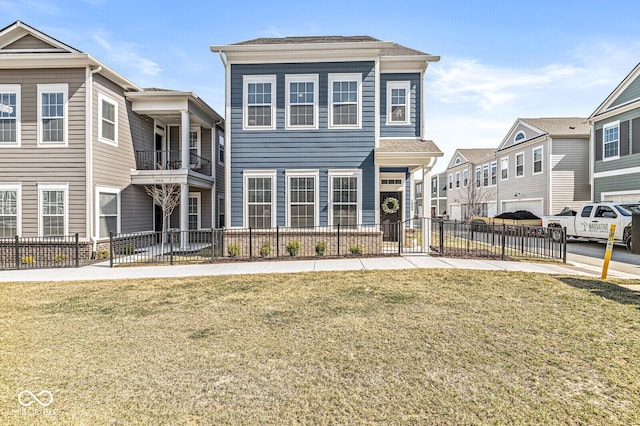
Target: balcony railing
[[171, 160]]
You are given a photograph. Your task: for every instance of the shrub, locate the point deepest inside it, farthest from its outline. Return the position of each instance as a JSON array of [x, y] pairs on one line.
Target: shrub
[[265, 250], [59, 258], [293, 247], [357, 249], [27, 260], [321, 248], [128, 249], [233, 250], [102, 254]]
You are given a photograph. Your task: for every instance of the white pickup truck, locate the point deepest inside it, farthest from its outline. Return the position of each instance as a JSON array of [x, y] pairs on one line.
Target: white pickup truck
[[592, 222]]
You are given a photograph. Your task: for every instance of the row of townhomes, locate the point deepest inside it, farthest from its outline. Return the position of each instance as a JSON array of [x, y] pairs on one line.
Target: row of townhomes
[[79, 143]]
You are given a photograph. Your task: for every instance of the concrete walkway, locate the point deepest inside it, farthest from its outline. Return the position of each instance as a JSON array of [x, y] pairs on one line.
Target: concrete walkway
[[102, 271]]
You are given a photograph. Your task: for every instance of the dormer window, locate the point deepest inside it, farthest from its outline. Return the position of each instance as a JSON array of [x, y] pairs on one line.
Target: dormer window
[[458, 161], [520, 136], [398, 94]]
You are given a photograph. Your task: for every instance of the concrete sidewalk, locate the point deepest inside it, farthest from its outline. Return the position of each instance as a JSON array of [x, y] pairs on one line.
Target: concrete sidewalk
[[102, 271]]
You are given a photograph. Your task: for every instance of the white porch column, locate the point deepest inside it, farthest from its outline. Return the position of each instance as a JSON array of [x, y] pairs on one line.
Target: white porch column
[[184, 188], [184, 139], [426, 208]]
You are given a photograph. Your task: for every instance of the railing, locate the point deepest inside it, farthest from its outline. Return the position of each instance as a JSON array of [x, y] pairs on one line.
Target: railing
[[251, 243], [40, 252], [170, 160], [505, 242]]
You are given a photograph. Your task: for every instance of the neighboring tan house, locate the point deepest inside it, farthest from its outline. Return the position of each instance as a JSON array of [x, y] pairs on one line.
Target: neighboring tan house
[[543, 165], [322, 130], [79, 142], [615, 143], [471, 183], [438, 194]]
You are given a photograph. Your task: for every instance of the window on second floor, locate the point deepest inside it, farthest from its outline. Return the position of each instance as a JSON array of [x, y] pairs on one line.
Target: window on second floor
[[478, 175], [434, 186], [220, 148], [10, 115], [494, 173], [398, 102], [301, 101], [485, 175], [345, 100], [259, 102], [457, 179], [504, 168], [520, 164], [450, 181], [537, 160], [52, 114], [108, 116], [611, 141], [465, 178], [194, 147]]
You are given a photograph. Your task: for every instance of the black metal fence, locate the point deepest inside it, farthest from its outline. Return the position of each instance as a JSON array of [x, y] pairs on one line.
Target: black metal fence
[[505, 242], [40, 252], [171, 160], [251, 243]]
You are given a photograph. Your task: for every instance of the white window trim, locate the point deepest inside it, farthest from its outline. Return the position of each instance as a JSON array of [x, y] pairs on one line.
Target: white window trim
[[345, 77], [221, 144], [491, 165], [533, 160], [477, 178], [316, 189], [608, 126], [107, 190], [221, 209], [14, 88], [102, 97], [248, 79], [246, 174], [301, 78], [515, 137], [18, 188], [465, 172], [345, 173], [450, 181], [434, 186], [51, 88], [53, 187], [458, 183], [198, 131], [504, 161], [485, 168], [198, 196], [406, 85], [515, 165]]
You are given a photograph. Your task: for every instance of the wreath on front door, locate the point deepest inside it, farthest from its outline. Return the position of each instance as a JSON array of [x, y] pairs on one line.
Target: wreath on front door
[[390, 205]]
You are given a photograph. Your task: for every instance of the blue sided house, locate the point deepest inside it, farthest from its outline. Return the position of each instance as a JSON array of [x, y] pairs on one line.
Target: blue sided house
[[324, 131]]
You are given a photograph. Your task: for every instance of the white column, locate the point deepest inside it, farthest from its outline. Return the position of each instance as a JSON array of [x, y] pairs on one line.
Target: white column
[[426, 208], [184, 215], [184, 146]]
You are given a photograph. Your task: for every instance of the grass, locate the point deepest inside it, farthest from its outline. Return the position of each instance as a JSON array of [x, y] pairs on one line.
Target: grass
[[420, 346]]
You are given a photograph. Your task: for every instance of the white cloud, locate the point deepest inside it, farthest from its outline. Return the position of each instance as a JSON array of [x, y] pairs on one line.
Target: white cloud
[[125, 54]]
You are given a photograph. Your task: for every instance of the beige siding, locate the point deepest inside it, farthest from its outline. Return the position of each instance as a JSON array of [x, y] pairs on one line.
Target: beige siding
[[29, 42], [137, 209], [570, 174], [30, 164]]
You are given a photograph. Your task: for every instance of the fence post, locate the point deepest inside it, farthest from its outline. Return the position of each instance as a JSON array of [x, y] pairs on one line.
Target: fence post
[[170, 247], [17, 249], [213, 241], [77, 251], [441, 242], [250, 243], [504, 239], [564, 245], [110, 249], [278, 241], [399, 233], [338, 239]]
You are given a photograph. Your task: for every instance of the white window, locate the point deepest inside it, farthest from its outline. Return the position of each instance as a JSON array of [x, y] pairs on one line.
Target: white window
[[260, 198], [465, 178], [10, 197], [52, 206], [434, 186], [478, 175], [259, 102], [194, 210], [537, 160], [458, 161], [220, 148], [221, 209], [9, 115], [611, 141], [302, 199], [194, 148], [52, 114], [345, 204], [302, 101], [345, 99], [457, 179], [450, 181], [494, 173], [108, 211], [520, 164], [504, 168], [398, 102], [108, 113], [519, 136], [485, 175]]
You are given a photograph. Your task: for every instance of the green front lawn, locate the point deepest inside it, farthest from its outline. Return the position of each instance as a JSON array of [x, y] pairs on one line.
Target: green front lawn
[[425, 347]]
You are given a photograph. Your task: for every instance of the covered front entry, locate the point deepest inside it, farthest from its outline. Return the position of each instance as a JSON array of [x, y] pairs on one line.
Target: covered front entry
[[390, 214]]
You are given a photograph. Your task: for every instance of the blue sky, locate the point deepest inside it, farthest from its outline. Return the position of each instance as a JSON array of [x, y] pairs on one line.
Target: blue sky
[[500, 59]]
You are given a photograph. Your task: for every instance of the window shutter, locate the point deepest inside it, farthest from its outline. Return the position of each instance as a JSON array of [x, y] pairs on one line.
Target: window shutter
[[598, 153], [635, 143], [624, 138]]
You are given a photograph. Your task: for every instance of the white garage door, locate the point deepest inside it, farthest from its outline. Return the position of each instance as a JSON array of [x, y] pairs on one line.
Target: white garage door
[[534, 206], [456, 212], [629, 196]]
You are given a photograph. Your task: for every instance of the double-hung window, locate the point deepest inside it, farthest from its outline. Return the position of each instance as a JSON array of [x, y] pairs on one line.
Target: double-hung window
[[450, 181], [302, 101], [9, 115], [611, 141], [434, 186], [457, 179], [9, 211], [520, 164], [345, 197], [478, 175], [465, 178], [52, 114], [504, 168], [221, 209], [108, 210], [220, 148], [194, 210], [398, 97], [302, 199], [494, 173], [194, 148], [260, 196], [537, 160], [108, 113], [53, 209], [259, 102], [345, 100], [485, 175]]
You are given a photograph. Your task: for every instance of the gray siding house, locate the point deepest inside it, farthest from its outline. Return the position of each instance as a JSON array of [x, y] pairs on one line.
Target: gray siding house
[[438, 194], [543, 165], [79, 142], [615, 143], [322, 130]]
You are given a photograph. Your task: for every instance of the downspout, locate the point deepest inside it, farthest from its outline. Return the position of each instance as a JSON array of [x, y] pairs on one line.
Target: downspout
[[89, 157]]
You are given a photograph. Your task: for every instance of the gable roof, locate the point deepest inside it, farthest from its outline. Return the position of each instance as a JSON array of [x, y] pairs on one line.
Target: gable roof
[[557, 127], [471, 156], [609, 106]]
